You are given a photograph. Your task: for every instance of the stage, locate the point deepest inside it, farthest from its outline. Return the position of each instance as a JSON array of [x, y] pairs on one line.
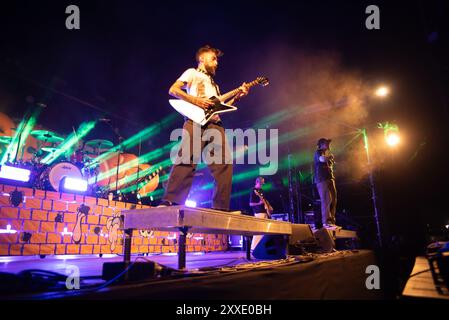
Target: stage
[[211, 276]]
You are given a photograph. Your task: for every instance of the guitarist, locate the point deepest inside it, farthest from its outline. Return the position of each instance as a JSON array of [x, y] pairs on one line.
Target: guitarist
[[261, 207], [195, 86]]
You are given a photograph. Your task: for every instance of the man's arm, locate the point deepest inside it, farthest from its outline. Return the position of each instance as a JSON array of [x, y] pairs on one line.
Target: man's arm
[[177, 92]]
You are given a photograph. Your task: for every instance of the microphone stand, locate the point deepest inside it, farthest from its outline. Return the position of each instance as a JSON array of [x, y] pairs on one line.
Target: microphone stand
[[120, 139]]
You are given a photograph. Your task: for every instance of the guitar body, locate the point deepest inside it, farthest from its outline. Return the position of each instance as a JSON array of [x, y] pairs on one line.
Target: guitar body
[[266, 204], [200, 115]]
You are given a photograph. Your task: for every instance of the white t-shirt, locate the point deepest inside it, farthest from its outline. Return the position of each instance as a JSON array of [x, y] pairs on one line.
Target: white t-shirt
[[199, 84]]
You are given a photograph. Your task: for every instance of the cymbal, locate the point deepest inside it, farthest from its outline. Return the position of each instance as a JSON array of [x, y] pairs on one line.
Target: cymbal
[[47, 136], [49, 149], [5, 139], [99, 144]]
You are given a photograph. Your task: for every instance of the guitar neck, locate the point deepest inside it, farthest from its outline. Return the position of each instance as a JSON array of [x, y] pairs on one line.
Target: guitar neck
[[232, 93]]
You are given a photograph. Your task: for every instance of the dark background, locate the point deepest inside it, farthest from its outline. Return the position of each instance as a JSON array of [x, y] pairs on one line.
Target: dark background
[[127, 53]]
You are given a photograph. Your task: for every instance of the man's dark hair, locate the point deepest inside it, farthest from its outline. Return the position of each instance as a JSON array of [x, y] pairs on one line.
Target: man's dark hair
[[207, 48]]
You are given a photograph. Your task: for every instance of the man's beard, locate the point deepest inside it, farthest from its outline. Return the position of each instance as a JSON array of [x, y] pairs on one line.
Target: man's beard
[[210, 70]]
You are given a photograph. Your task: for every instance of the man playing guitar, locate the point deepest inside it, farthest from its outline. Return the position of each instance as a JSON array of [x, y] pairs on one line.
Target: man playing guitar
[[199, 85], [261, 207]]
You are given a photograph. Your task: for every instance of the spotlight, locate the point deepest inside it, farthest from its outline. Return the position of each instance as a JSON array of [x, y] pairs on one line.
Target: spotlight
[[13, 173], [392, 139], [190, 203], [73, 184], [382, 91]]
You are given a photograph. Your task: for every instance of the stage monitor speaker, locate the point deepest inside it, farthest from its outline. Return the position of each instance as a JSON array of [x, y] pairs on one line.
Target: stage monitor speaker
[[300, 233], [270, 247], [301, 240], [325, 240]]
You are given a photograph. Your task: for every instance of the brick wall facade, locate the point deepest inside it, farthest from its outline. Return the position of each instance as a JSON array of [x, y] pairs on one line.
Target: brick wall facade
[[46, 224]]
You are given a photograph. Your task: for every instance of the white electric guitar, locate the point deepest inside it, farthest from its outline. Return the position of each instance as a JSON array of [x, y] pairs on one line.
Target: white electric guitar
[[202, 116]]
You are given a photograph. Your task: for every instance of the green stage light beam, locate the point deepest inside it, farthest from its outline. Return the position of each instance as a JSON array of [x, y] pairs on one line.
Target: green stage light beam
[[70, 141], [145, 134]]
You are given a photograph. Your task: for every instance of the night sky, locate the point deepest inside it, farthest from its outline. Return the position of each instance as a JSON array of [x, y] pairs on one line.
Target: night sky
[[122, 61]]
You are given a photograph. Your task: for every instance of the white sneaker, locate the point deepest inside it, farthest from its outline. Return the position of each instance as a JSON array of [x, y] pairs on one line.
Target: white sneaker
[[331, 226]]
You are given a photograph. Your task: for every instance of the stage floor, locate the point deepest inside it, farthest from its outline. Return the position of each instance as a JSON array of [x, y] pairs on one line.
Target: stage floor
[[340, 275]]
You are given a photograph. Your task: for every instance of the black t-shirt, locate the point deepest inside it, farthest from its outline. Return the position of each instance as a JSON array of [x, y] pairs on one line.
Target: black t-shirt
[[322, 170], [254, 198]]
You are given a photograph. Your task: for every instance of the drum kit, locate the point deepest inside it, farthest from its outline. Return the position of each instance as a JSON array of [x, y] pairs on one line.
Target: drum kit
[[79, 162]]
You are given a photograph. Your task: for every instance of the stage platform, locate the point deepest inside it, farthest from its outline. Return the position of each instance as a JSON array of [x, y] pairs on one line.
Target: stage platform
[[219, 275]]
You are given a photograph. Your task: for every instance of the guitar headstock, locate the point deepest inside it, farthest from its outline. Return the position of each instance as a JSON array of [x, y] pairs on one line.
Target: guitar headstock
[[263, 81]]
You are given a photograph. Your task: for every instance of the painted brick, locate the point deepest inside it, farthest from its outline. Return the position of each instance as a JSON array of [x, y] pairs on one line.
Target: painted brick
[[39, 194], [97, 249], [68, 196], [9, 213], [92, 239], [47, 249], [79, 198], [153, 241], [145, 241], [60, 248], [15, 249], [103, 220], [3, 224], [52, 195], [9, 238], [103, 240], [40, 215], [84, 228], [54, 238], [69, 217], [107, 211], [4, 200], [48, 227], [47, 204], [87, 249], [73, 249], [144, 249], [134, 249], [103, 202], [60, 227], [105, 249], [33, 203], [8, 189], [90, 200], [31, 225], [118, 250], [73, 207], [26, 191], [67, 239], [120, 205], [30, 249], [59, 205], [52, 216], [4, 249], [93, 219], [98, 210], [16, 224], [25, 214], [38, 238], [137, 241]]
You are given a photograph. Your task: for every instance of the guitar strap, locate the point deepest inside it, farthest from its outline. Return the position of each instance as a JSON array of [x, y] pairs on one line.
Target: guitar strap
[[217, 90]]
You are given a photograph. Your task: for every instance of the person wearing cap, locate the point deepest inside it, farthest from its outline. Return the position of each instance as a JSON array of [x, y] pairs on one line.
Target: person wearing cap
[[325, 182]]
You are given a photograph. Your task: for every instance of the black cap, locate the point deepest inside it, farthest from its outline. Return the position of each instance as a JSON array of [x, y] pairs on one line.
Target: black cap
[[323, 140]]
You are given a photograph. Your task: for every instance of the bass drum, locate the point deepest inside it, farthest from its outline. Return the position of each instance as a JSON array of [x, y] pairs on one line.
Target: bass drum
[[51, 177]]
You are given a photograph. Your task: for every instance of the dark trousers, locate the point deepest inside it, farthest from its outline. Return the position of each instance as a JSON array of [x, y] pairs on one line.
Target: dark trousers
[[181, 175], [328, 196]]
